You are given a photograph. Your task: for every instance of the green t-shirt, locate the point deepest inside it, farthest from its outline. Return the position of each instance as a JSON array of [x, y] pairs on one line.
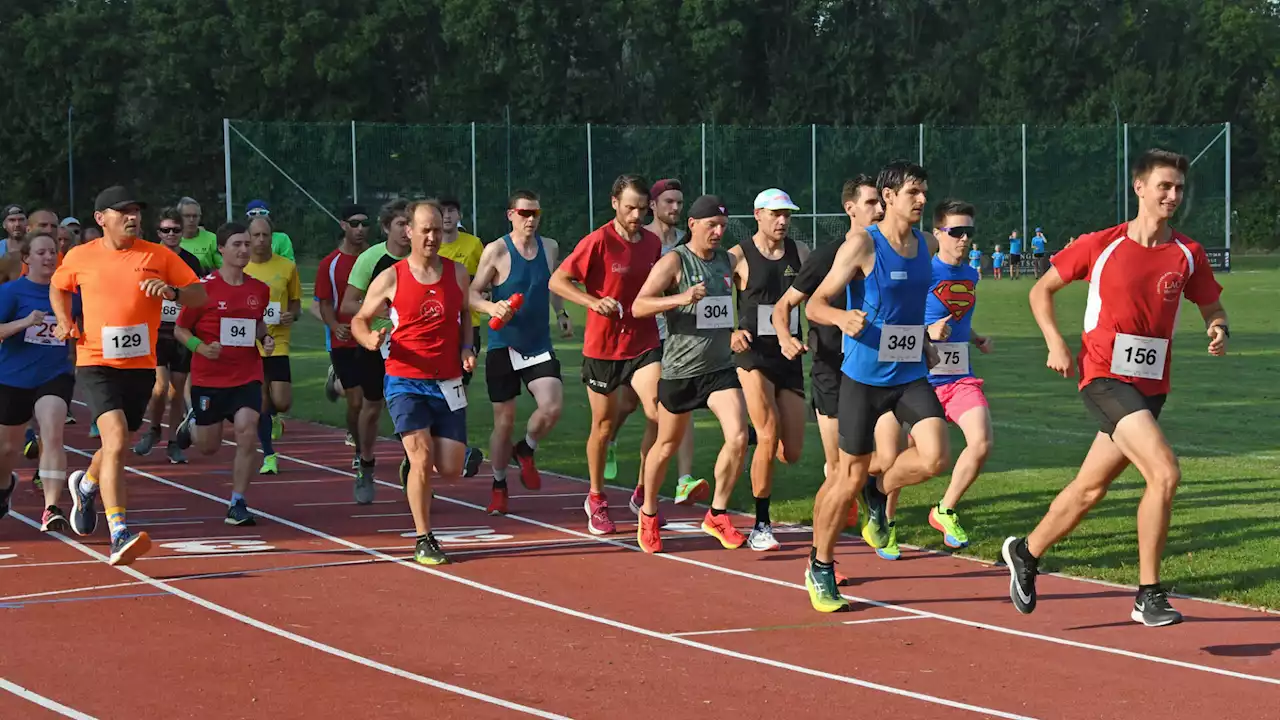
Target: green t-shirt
[[282, 245], [205, 247], [368, 266]]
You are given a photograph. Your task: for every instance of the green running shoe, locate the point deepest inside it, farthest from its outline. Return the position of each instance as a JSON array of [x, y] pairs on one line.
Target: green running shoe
[[873, 534], [611, 464], [947, 522], [890, 550], [270, 466], [821, 584], [427, 552], [690, 491]]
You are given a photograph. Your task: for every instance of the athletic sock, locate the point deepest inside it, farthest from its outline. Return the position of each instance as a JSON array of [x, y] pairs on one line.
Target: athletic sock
[[1145, 588], [1024, 551], [718, 513], [264, 433], [530, 441], [236, 497], [597, 497], [762, 510], [88, 484], [499, 484], [115, 520]]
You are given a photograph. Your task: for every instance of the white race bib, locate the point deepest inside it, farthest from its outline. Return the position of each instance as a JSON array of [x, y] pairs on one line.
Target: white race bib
[[520, 361], [953, 359], [715, 313], [271, 315], [131, 341], [385, 347], [42, 334], [764, 321], [901, 343], [169, 311], [238, 332], [662, 327], [1138, 356], [454, 393]]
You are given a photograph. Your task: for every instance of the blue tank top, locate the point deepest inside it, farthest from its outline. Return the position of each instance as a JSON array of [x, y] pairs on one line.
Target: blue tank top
[[894, 294], [953, 295], [529, 330]]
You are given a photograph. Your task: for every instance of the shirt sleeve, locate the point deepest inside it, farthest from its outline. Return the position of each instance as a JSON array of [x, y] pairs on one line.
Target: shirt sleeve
[[295, 284], [187, 318], [66, 277], [177, 273], [323, 288], [282, 245], [1073, 263], [8, 305], [1202, 287], [579, 261], [815, 269], [362, 271]]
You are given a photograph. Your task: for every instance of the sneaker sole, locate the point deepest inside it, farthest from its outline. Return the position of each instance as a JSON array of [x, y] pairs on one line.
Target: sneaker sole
[[1138, 617], [640, 541], [947, 538], [713, 532], [239, 523], [766, 548], [1006, 552], [55, 525], [76, 505], [136, 548], [473, 468], [431, 561], [887, 556]]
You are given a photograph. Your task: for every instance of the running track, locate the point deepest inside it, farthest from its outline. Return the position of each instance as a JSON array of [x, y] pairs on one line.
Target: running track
[[316, 612]]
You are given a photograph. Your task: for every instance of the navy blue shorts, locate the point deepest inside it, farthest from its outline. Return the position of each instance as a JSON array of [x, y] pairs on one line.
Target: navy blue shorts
[[420, 405]]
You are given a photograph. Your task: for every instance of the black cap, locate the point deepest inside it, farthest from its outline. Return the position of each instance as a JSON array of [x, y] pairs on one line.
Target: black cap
[[349, 211], [12, 210], [707, 206], [116, 197]]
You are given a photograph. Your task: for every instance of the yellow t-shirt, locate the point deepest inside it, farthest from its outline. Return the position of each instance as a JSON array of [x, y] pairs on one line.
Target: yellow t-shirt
[[281, 275], [465, 250]]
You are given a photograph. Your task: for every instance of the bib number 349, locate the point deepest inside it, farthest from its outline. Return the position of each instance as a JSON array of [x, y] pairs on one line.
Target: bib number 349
[[901, 343], [1138, 356]]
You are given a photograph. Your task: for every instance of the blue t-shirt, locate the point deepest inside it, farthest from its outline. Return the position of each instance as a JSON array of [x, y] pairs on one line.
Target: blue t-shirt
[[997, 259], [1015, 246], [953, 293], [1037, 244], [32, 357], [975, 259]]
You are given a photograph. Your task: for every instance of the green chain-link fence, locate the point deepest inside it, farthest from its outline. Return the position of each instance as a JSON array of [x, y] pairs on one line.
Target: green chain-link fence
[[1067, 180]]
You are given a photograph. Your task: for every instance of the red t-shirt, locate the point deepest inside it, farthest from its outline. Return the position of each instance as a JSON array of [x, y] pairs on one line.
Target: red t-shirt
[[1135, 291], [331, 285], [425, 344], [609, 266], [230, 316]]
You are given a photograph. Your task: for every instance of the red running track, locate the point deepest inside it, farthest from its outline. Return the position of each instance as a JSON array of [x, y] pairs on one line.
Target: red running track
[[319, 611]]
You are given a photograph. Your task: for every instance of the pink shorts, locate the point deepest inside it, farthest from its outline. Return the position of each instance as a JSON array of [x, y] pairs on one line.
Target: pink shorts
[[960, 397]]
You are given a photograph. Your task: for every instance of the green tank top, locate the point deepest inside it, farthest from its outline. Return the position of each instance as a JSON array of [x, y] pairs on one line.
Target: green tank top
[[698, 335]]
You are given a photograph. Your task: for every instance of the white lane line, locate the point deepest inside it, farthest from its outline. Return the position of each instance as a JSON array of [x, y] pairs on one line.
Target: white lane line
[[345, 502], [42, 701], [846, 679], [732, 631], [299, 639]]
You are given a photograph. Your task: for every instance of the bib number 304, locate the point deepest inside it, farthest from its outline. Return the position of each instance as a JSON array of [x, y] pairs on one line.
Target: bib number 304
[[1138, 356], [715, 313], [901, 343]]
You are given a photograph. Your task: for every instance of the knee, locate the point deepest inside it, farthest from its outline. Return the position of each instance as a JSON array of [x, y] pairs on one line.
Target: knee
[[7, 445], [980, 447], [1165, 480], [789, 453], [552, 411], [736, 442], [935, 461], [449, 467], [603, 427]]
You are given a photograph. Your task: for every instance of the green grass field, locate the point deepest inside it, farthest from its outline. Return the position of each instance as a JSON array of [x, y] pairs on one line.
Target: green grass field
[[1223, 418]]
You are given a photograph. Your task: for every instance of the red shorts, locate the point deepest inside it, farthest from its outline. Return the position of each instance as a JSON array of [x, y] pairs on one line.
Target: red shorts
[[960, 397]]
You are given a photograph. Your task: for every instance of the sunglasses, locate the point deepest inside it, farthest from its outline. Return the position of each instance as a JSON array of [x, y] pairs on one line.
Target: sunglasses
[[959, 231], [527, 213], [358, 223], [258, 212], [169, 230]]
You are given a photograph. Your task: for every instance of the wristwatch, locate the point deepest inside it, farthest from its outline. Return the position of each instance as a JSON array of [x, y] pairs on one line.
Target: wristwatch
[[1225, 330]]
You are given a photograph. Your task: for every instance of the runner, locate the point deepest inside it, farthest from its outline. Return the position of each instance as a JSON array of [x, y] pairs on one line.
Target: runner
[[281, 243], [520, 351], [345, 354], [1015, 255], [279, 313], [693, 286], [772, 383], [428, 351], [123, 280], [173, 360], [1137, 274], [619, 350], [195, 239], [465, 249], [884, 365], [36, 375], [15, 227], [226, 369]]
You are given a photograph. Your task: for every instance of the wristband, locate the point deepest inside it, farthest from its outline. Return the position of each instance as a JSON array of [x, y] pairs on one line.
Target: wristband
[[469, 347], [192, 343]]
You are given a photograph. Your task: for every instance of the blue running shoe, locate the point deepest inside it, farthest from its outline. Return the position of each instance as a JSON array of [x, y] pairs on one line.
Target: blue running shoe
[[84, 510], [238, 514], [127, 547]]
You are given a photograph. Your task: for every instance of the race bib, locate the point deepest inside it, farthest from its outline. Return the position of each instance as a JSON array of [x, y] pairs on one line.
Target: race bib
[[385, 347], [169, 311], [272, 314], [764, 321], [715, 313], [901, 343], [520, 361], [1138, 356], [662, 327], [953, 359], [42, 334], [238, 332], [130, 341], [454, 393]]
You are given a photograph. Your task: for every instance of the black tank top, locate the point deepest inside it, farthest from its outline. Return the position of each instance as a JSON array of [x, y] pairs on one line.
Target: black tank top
[[767, 281]]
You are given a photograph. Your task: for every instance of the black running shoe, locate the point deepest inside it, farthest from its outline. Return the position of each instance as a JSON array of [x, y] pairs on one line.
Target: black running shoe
[[471, 466], [1151, 608], [182, 435], [427, 551], [1022, 575], [238, 514], [5, 492]]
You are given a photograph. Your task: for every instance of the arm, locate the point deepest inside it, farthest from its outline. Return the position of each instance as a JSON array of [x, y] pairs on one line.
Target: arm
[[740, 341], [14, 327], [1042, 309], [653, 299], [60, 301], [352, 300], [486, 274], [294, 309], [562, 285], [381, 291], [1215, 323], [464, 318], [557, 302], [739, 266], [856, 255], [781, 319]]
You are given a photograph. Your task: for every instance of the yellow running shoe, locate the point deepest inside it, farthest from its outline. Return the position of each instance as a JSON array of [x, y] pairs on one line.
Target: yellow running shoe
[[270, 466]]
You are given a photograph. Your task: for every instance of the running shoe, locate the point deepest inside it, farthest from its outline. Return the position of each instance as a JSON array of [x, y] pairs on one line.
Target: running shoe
[[176, 456], [1022, 575], [355, 461], [471, 464], [331, 386], [648, 534], [690, 491], [71, 419], [277, 427], [127, 547], [721, 528], [529, 476], [1151, 608], [145, 443], [611, 463], [875, 531], [36, 481], [497, 502], [364, 488], [84, 510], [93, 429], [52, 520], [636, 502], [182, 435], [6, 492], [947, 522], [270, 465], [598, 522], [762, 539], [890, 550], [427, 551], [823, 594], [238, 514], [350, 441], [31, 449]]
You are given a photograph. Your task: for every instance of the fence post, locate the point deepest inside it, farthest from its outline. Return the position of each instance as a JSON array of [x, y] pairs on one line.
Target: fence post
[[704, 158], [591, 181], [71, 163], [813, 180], [475, 189], [1226, 218], [1123, 168], [1024, 183], [355, 185], [226, 160]]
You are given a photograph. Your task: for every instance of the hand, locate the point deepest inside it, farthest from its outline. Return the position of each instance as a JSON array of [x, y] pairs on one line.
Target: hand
[[792, 348], [375, 339], [853, 323], [469, 360], [211, 350], [695, 293], [741, 341], [1217, 341], [931, 357], [155, 287], [287, 318], [35, 318], [502, 310], [566, 325], [984, 344], [1060, 360], [62, 332], [269, 344], [606, 306], [342, 331], [940, 330]]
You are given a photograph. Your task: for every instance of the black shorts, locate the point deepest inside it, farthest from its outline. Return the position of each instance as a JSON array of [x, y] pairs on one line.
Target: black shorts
[[1015, 260], [18, 405], [862, 405], [346, 365], [1037, 255], [172, 355], [107, 389], [276, 369], [605, 376], [824, 380], [504, 382], [475, 347], [768, 359], [689, 394], [1110, 400], [213, 405]]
